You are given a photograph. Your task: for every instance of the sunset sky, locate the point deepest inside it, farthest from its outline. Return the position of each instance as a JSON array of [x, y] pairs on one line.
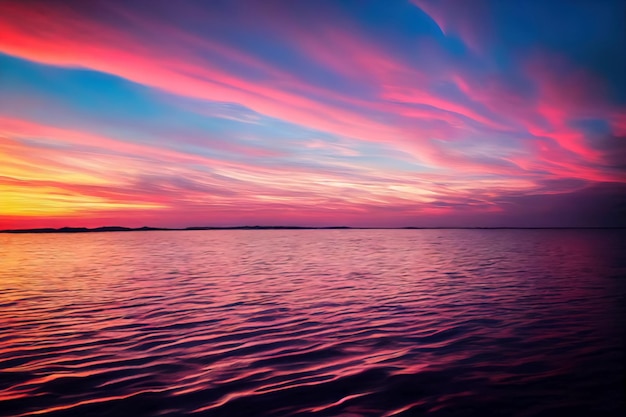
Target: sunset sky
[[315, 113]]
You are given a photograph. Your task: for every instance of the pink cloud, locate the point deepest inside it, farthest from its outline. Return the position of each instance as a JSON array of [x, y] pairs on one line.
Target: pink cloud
[[181, 71], [63, 39], [459, 138]]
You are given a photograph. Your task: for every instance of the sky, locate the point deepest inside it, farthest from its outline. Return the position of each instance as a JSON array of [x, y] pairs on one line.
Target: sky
[[360, 113]]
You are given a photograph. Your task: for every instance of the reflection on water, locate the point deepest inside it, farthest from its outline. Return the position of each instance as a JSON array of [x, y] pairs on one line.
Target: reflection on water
[[313, 323]]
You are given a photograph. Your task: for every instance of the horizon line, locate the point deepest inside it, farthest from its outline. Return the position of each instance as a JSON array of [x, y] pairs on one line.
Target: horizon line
[[104, 229]]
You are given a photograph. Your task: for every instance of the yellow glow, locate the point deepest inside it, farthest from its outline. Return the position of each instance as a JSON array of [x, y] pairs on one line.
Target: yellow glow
[[39, 173], [38, 201], [32, 167]]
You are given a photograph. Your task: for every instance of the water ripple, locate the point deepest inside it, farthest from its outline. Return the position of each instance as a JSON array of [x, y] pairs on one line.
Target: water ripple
[[313, 323]]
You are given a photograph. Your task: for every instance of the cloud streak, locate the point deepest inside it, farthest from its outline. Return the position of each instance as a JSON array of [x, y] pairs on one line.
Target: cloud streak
[[300, 114]]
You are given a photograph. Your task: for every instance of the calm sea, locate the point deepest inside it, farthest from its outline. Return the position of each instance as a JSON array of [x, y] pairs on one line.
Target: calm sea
[[313, 323]]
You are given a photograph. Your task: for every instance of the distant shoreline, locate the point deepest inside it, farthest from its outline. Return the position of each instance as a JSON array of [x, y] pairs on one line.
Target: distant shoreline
[[105, 229]]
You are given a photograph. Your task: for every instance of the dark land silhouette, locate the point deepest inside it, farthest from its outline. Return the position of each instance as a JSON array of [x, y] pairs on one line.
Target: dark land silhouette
[[192, 228]]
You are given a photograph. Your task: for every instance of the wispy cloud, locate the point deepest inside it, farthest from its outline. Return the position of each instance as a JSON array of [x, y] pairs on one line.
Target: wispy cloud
[[431, 112]]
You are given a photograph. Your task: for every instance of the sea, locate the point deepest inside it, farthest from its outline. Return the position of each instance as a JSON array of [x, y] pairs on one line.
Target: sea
[[348, 323]]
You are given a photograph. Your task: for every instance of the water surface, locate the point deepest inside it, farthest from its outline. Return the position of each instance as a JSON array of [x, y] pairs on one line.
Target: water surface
[[313, 323]]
